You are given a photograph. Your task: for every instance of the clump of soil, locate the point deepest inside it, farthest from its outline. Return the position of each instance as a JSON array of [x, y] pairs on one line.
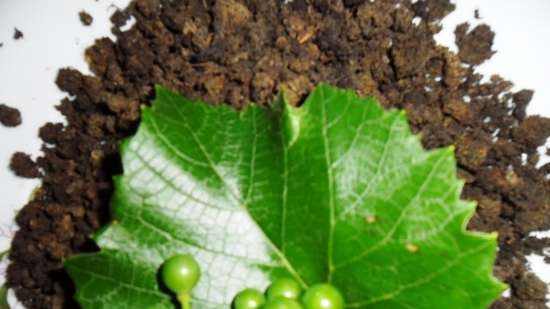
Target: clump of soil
[[474, 47], [9, 116], [17, 34], [23, 165], [237, 51], [85, 18]]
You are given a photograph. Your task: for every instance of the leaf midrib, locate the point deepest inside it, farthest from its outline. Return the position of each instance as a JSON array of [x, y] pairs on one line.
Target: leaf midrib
[[330, 184]]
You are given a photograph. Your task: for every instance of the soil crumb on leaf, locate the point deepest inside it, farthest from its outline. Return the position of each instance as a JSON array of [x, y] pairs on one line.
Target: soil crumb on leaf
[[85, 18], [9, 116], [237, 51]]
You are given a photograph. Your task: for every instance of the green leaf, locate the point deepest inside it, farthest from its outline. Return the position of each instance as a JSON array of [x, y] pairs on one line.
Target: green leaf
[[338, 190], [4, 297], [3, 288]]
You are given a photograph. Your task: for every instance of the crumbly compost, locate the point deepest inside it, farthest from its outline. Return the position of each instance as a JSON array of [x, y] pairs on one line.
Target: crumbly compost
[[474, 47], [85, 18], [237, 51], [9, 116], [23, 165]]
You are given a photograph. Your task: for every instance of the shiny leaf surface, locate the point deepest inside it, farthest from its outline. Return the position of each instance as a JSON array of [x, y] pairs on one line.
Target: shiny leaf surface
[[338, 191]]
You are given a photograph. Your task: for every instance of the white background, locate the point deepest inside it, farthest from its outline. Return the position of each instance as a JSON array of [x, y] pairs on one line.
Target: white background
[[55, 38]]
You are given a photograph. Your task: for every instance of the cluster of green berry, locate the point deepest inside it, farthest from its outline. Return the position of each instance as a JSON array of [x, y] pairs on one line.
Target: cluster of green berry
[[181, 273], [286, 293]]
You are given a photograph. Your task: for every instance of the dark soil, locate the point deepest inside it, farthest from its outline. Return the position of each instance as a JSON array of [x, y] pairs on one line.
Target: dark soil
[[17, 34], [23, 166], [474, 47], [237, 51], [476, 14], [9, 116], [85, 18]]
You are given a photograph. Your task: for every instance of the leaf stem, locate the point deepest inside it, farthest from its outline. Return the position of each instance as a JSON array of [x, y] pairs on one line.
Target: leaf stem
[[185, 300]]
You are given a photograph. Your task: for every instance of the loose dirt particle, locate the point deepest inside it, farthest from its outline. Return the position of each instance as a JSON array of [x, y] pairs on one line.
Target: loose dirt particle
[[17, 34], [521, 99], [532, 132], [474, 47], [9, 116], [85, 18], [23, 165], [476, 14], [237, 51]]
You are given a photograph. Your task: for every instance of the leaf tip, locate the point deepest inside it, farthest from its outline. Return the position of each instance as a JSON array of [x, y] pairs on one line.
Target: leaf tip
[[418, 137], [282, 96], [325, 86], [101, 231], [291, 124], [160, 89], [501, 286]]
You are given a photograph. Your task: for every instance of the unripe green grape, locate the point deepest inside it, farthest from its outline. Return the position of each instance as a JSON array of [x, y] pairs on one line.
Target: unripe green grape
[[249, 299], [323, 296], [180, 273], [284, 287], [282, 303]]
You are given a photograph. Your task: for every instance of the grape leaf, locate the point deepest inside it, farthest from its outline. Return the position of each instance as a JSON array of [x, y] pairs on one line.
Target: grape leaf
[[338, 190]]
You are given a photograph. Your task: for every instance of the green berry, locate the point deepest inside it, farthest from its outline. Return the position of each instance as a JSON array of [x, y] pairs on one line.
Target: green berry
[[323, 296], [249, 299], [181, 273], [282, 303], [286, 288]]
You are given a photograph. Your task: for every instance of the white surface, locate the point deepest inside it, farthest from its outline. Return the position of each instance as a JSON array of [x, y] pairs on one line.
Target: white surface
[[55, 38]]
